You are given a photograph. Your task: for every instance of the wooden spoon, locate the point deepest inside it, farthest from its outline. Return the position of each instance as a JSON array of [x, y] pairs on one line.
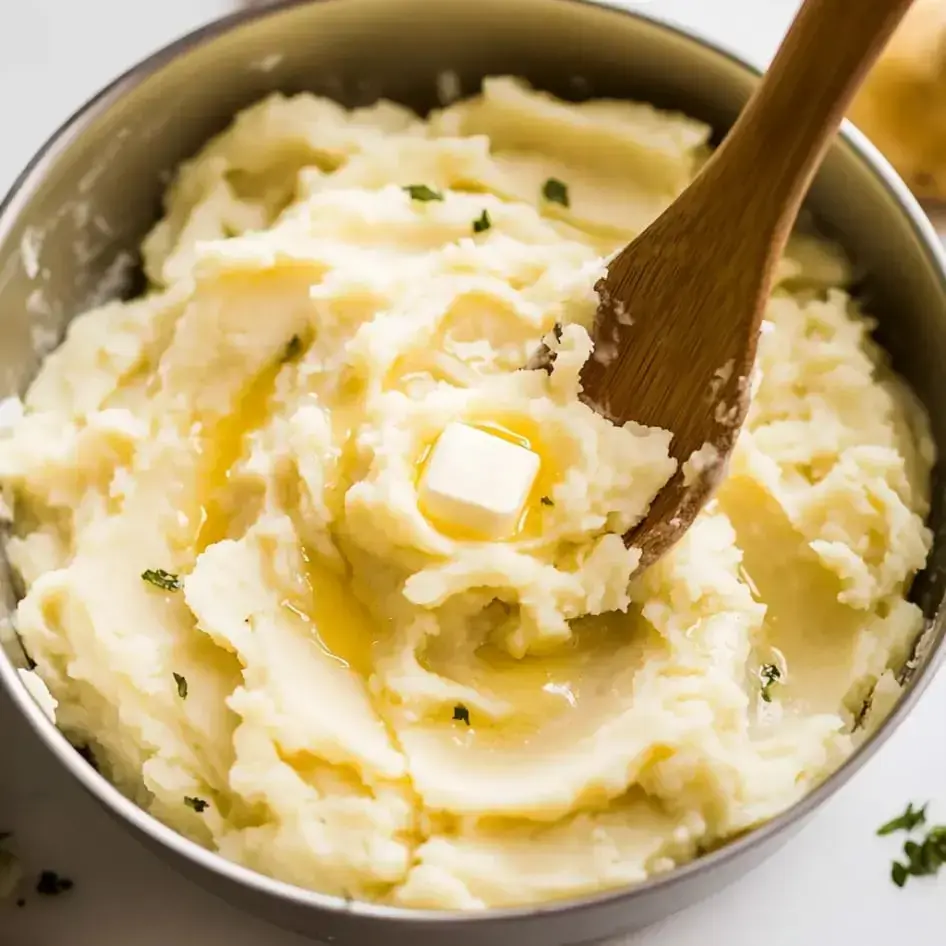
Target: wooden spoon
[[681, 306]]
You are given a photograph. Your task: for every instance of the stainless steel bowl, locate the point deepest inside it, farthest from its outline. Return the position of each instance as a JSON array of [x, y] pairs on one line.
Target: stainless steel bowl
[[72, 223]]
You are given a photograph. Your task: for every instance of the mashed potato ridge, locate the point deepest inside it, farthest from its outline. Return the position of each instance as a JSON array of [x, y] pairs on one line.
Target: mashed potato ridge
[[374, 707]]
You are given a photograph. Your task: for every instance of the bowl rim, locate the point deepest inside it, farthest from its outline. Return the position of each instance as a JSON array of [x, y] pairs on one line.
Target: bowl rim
[[105, 792]]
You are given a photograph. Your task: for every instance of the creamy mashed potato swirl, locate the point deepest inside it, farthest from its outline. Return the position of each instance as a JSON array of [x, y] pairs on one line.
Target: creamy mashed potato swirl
[[333, 690]]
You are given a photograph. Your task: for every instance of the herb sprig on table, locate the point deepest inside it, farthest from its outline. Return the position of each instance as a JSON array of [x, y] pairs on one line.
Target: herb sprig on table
[[49, 883], [910, 819], [920, 858]]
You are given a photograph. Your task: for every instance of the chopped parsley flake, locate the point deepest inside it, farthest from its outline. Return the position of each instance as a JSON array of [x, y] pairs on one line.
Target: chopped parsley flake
[[181, 685], [910, 819], [461, 714], [547, 501], [293, 349], [422, 192], [770, 674], [482, 222], [50, 884], [555, 192], [162, 579], [198, 804]]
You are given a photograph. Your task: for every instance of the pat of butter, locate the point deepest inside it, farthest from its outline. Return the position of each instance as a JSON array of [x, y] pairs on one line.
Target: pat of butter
[[475, 483]]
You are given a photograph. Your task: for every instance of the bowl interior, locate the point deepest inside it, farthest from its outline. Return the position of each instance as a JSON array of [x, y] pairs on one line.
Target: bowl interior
[[69, 233]]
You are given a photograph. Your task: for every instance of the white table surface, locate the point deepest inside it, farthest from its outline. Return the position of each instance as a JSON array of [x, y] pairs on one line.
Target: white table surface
[[828, 886]]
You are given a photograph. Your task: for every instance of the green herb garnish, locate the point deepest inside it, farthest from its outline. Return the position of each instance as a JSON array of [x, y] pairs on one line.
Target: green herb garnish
[[909, 820], [555, 192], [181, 685], [770, 674], [547, 501], [50, 884], [923, 859], [198, 804], [422, 192], [482, 222], [461, 714], [162, 579], [293, 349]]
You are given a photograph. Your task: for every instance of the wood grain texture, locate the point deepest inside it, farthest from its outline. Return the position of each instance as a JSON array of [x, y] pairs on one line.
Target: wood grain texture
[[681, 306]]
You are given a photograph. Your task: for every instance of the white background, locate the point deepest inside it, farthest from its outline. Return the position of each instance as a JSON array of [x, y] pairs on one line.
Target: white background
[[829, 886]]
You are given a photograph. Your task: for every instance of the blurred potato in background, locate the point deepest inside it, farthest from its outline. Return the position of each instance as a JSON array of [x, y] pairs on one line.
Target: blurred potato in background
[[902, 106]]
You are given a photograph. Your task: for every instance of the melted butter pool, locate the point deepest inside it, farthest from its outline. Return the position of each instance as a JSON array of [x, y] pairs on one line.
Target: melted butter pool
[[337, 621], [574, 684], [222, 449], [806, 628]]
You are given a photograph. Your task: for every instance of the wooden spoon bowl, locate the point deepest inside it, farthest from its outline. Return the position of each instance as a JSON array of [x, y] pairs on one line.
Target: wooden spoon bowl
[[681, 306]]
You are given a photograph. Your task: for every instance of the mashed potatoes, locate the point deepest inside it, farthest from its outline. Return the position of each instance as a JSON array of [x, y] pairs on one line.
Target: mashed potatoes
[[314, 680]]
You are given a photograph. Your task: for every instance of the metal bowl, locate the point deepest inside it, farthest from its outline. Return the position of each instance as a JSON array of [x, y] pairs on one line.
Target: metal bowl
[[68, 237]]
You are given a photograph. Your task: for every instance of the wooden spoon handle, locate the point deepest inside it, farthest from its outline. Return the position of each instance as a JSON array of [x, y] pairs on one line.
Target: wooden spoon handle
[[782, 134]]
